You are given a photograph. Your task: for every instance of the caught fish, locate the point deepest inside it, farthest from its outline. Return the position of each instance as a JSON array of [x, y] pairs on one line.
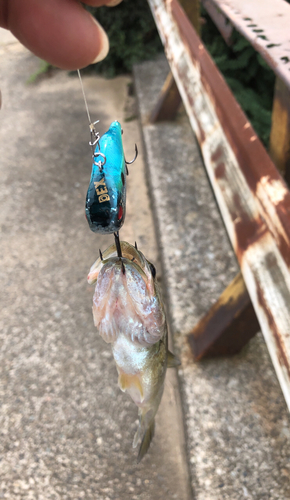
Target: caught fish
[[129, 314], [106, 196]]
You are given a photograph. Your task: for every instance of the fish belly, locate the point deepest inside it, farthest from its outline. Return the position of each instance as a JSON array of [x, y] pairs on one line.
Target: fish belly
[[141, 371], [133, 385]]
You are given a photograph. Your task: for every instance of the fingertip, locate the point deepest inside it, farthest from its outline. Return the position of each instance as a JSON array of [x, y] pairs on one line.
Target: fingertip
[[62, 32], [113, 3], [102, 3], [104, 44]]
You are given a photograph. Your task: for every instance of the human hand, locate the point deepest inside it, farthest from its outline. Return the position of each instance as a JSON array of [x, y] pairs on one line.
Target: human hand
[[61, 32]]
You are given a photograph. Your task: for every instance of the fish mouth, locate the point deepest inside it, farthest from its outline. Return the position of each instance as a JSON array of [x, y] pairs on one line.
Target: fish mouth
[[128, 266], [123, 266], [124, 304], [122, 252], [126, 294]]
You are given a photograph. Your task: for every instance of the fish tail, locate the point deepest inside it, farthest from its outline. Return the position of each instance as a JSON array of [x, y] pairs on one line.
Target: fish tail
[[138, 432], [147, 438], [136, 437]]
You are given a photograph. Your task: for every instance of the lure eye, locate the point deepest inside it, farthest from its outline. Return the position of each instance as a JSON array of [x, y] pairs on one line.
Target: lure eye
[[152, 269], [122, 131]]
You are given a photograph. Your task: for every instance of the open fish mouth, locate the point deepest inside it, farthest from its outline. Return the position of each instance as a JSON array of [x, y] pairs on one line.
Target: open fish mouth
[[124, 304], [126, 299], [129, 254]]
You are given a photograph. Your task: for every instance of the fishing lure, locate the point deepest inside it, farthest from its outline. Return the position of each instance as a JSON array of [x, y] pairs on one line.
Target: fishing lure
[[106, 195]]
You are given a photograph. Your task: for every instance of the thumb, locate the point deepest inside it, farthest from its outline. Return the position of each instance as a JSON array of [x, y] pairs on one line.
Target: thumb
[[61, 32]]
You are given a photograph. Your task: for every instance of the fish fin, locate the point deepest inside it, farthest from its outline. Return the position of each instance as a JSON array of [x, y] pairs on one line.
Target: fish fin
[[147, 438], [95, 315], [137, 435], [122, 381], [92, 277], [172, 360], [126, 381], [138, 432], [136, 438]]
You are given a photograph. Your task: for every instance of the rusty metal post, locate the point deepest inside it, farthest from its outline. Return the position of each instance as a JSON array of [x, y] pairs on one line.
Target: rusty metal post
[[220, 332], [224, 330], [169, 98], [279, 148], [229, 324], [253, 198]]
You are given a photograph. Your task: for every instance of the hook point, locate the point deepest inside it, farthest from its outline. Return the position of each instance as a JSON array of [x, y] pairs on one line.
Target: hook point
[[136, 154]]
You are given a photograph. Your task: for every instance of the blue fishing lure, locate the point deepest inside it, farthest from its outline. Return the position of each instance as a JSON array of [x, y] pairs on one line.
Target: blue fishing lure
[[106, 196]]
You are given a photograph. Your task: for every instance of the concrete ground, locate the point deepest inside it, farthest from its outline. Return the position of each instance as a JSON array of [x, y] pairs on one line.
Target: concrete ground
[[66, 429]]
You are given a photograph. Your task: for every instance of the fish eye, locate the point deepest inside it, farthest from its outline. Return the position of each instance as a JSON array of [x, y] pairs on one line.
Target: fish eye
[[152, 269]]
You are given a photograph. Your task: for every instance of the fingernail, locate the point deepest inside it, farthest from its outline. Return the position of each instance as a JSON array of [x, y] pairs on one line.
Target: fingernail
[[113, 3], [104, 43]]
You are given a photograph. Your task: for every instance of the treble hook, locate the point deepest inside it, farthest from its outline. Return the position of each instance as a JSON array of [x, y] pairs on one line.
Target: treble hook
[[130, 162]]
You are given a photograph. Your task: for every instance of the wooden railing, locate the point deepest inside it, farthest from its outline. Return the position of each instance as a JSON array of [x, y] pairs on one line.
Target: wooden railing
[[253, 197]]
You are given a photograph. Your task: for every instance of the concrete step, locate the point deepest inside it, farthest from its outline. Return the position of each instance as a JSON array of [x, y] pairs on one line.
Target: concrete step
[[236, 420]]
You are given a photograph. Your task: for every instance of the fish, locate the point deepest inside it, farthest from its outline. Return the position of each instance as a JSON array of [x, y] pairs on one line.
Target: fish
[[129, 314], [106, 196]]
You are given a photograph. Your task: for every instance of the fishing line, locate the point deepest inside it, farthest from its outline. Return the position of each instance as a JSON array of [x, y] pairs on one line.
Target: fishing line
[[86, 104], [95, 136]]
